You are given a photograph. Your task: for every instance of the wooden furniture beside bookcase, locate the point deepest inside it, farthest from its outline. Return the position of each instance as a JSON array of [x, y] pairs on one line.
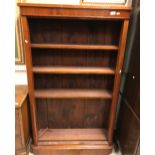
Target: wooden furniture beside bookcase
[[128, 126], [74, 55], [22, 132]]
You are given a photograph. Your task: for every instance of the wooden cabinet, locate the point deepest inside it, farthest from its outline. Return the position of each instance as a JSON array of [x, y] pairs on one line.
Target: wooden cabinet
[[22, 132], [128, 128], [74, 57]]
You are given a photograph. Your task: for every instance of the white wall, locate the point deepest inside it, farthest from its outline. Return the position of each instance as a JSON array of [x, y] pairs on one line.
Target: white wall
[[20, 75]]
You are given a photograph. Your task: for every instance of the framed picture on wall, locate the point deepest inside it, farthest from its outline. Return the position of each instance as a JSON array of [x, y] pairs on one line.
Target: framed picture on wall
[[19, 52], [105, 1], [108, 2]]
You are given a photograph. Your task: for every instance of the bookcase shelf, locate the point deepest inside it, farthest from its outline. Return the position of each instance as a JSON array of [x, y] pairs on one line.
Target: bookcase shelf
[[74, 46], [73, 58], [72, 135], [73, 70], [72, 93]]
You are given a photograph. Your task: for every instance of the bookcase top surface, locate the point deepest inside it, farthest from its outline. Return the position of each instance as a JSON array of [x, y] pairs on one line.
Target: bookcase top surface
[[75, 11], [80, 6], [21, 92]]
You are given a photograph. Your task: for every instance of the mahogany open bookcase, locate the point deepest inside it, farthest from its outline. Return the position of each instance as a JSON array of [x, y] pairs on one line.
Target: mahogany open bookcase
[[74, 57]]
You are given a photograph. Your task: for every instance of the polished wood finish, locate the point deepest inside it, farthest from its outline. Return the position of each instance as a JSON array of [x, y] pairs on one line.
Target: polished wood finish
[[73, 150], [73, 81], [62, 113], [128, 127], [27, 48], [73, 33], [128, 130], [22, 132], [117, 79], [21, 92], [74, 58], [72, 70], [83, 47], [132, 84], [78, 11], [74, 55], [72, 135], [72, 93], [75, 6]]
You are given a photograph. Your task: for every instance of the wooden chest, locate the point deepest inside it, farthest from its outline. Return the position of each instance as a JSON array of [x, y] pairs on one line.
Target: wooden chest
[[22, 134]]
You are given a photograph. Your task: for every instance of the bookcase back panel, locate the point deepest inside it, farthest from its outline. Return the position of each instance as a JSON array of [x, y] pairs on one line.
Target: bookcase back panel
[[70, 31], [48, 81], [57, 57], [70, 113]]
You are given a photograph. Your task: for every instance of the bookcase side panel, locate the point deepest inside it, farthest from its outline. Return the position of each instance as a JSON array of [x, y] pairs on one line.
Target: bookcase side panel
[[27, 49]]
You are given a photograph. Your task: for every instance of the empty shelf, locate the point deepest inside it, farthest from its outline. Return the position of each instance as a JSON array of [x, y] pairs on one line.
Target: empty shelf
[[72, 93], [61, 135], [73, 70], [70, 46]]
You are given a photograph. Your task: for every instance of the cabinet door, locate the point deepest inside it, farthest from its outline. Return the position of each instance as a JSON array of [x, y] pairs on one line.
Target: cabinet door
[[128, 130], [132, 84], [128, 127]]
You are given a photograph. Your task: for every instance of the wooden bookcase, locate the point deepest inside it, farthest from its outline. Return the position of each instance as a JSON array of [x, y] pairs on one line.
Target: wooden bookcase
[[74, 56]]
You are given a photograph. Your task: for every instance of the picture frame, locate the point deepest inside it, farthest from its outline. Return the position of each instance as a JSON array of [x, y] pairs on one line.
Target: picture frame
[[107, 2], [19, 51]]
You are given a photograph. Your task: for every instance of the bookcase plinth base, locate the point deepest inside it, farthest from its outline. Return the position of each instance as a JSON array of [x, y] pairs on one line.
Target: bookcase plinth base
[[72, 150]]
